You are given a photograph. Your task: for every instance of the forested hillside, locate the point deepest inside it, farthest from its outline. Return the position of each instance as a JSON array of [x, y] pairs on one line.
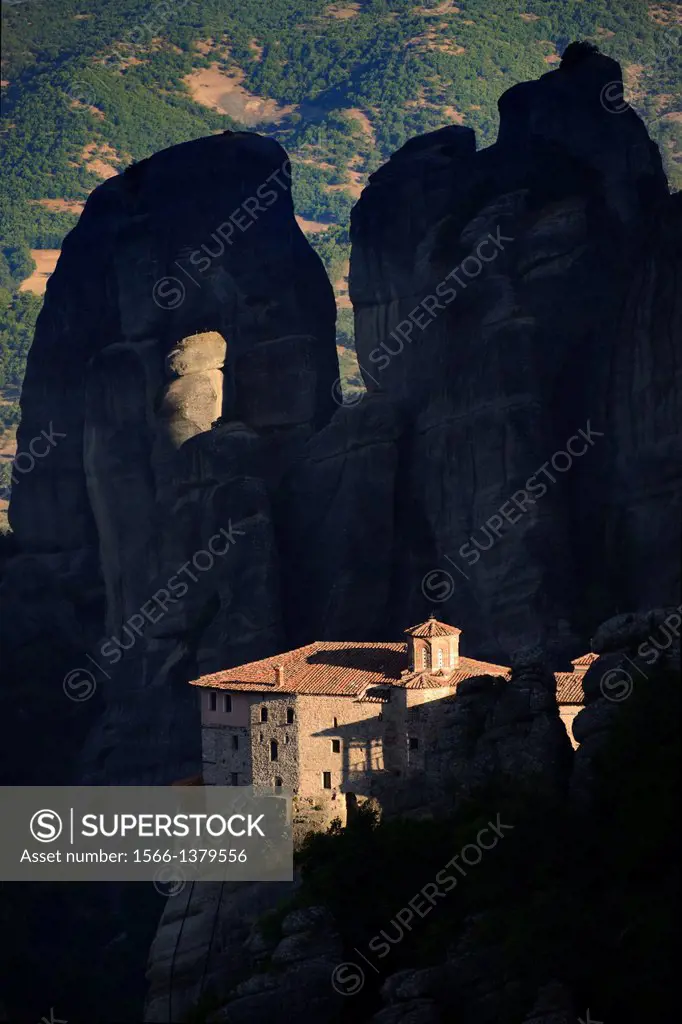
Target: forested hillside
[[90, 86]]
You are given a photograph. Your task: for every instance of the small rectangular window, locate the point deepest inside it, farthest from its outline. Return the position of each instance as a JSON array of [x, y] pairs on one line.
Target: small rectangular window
[[235, 742], [278, 782], [290, 716], [327, 780], [213, 700], [273, 750], [336, 723], [235, 778], [414, 743], [381, 716], [260, 737], [263, 714], [227, 703], [336, 746]]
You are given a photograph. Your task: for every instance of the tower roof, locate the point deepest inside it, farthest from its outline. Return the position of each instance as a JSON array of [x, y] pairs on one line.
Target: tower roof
[[433, 627]]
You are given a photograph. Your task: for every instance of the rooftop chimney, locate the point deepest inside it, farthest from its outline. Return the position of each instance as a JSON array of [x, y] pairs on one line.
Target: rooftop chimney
[[279, 675]]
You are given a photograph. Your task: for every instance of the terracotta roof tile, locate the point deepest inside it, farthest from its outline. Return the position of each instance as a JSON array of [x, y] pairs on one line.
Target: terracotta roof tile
[[584, 661], [323, 668], [467, 668], [366, 671], [432, 627], [569, 688], [340, 669]]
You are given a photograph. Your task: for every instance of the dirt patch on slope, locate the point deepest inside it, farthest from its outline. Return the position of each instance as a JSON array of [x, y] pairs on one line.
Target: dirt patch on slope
[[223, 91], [361, 117], [432, 40], [447, 7], [341, 11], [311, 227], [97, 156], [60, 205], [45, 261], [453, 114], [79, 105]]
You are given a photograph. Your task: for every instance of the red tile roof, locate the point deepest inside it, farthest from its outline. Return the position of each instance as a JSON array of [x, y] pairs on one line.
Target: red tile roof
[[325, 667], [466, 668], [584, 661], [432, 627], [347, 669], [569, 687], [343, 669]]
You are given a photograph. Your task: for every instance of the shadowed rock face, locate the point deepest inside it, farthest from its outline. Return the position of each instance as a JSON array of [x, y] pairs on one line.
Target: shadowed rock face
[[505, 300], [185, 295]]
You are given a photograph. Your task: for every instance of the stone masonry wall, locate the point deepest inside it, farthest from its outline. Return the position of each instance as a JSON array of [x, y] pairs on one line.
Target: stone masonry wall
[[360, 732], [286, 735], [221, 760]]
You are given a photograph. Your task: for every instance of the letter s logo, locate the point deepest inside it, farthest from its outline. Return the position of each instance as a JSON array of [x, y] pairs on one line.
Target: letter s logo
[[46, 826]]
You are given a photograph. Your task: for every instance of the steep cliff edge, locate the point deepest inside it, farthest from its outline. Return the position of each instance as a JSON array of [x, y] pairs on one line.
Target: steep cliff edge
[[508, 300], [186, 294]]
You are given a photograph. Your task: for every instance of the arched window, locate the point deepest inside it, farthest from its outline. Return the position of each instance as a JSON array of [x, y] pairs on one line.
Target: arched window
[[425, 658], [440, 657], [278, 782]]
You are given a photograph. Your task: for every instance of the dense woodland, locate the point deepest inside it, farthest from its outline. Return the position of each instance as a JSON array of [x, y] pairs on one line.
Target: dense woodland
[[112, 72]]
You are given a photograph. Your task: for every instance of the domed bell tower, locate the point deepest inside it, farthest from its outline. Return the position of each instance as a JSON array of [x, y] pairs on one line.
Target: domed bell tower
[[433, 646]]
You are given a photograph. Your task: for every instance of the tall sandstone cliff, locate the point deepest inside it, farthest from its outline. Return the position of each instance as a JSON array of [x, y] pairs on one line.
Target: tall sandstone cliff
[[186, 353]]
